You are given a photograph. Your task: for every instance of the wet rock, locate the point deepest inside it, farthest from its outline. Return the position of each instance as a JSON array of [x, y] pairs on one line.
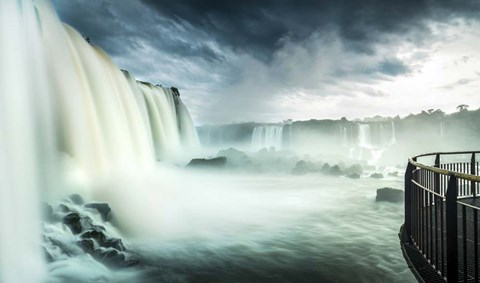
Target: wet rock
[[76, 199], [87, 245], [102, 208], [335, 171], [110, 257], [389, 195], [354, 169], [98, 236], [326, 168], [72, 220], [303, 167], [217, 162], [377, 176], [353, 176], [235, 157], [114, 243]]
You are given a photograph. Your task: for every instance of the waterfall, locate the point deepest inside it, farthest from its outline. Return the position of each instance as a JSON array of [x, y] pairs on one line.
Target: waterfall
[[65, 106], [393, 139], [441, 129], [24, 132], [364, 136], [267, 136]]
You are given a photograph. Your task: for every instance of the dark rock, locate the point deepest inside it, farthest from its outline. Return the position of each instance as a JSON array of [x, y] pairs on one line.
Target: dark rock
[[217, 162], [353, 176], [235, 157], [303, 167], [87, 245], [102, 208], [377, 176], [72, 220], [335, 171], [76, 199], [110, 257], [389, 195], [98, 236], [354, 169], [87, 223], [326, 168], [114, 243]]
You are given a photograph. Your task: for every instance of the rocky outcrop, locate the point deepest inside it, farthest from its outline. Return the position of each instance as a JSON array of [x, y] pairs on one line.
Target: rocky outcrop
[[389, 195], [88, 224], [217, 162], [377, 176], [303, 167]]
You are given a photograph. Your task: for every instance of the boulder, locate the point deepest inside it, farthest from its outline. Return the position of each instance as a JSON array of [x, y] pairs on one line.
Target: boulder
[[303, 167], [98, 236], [389, 195], [393, 174], [114, 243], [377, 176], [353, 176], [72, 220], [87, 245], [217, 162], [102, 208], [326, 168], [234, 156], [335, 171], [354, 169]]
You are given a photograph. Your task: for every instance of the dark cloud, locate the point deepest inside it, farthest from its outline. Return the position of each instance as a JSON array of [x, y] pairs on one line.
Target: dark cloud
[[258, 26]]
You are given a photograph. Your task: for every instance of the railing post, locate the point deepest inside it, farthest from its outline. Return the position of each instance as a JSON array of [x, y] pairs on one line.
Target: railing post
[[452, 230], [472, 172], [436, 184], [408, 199]]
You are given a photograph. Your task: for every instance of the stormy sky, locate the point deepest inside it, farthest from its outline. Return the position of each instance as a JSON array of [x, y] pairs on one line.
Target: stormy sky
[[270, 60]]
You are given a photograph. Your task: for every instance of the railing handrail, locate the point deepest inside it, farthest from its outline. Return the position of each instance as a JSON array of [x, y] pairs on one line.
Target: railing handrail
[[441, 171]]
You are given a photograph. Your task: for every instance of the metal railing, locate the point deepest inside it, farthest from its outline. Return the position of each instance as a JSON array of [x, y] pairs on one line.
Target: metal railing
[[441, 213]]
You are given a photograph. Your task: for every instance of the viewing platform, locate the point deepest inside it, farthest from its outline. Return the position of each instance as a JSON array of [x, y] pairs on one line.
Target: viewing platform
[[440, 239]]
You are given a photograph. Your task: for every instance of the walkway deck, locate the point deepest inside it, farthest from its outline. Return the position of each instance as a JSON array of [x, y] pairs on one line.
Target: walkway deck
[[423, 269]]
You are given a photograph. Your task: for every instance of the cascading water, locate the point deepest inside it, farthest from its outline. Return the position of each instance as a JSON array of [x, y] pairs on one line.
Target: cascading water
[[67, 110], [364, 136], [267, 136], [393, 139], [23, 141], [372, 142]]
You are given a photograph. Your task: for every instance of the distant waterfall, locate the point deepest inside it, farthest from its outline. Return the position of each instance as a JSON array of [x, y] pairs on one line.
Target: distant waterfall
[[267, 136], [364, 135], [372, 140], [65, 107], [393, 139]]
